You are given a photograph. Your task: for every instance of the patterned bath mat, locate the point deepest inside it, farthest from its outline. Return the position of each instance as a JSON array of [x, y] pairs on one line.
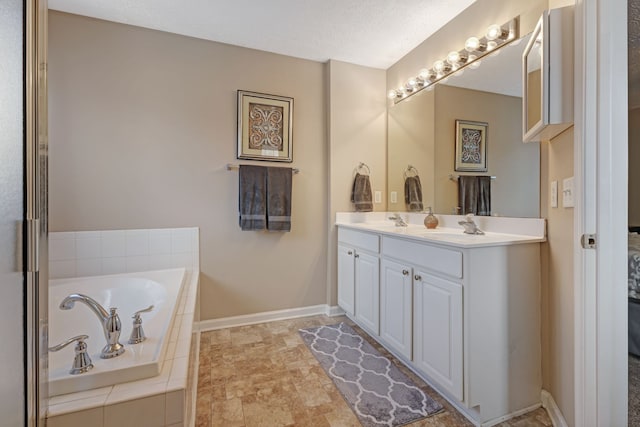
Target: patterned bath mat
[[377, 391]]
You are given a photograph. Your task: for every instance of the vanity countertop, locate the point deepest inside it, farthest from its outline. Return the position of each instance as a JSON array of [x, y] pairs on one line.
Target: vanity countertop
[[449, 234]]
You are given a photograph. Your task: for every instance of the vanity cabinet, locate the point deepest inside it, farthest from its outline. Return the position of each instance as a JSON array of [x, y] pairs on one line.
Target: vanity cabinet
[[396, 299], [464, 317], [359, 277], [438, 330]]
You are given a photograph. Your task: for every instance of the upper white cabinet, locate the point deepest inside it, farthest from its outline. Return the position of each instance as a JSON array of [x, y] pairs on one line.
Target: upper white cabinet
[[547, 65]]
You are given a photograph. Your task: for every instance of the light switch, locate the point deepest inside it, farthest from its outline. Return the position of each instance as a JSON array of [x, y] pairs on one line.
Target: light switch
[[394, 197], [553, 195], [377, 196], [567, 193]]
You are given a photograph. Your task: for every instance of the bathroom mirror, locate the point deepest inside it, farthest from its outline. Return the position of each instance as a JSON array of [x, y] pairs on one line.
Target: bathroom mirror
[[422, 134]]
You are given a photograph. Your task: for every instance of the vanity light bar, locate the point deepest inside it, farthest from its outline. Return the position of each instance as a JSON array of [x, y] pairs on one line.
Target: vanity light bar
[[475, 48]]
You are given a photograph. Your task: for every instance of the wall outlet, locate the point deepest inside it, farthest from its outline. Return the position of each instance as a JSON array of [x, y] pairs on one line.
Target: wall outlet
[[394, 197], [377, 196], [567, 193], [553, 195]]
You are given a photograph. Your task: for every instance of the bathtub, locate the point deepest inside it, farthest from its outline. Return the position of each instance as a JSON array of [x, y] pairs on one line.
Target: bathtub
[[129, 293]]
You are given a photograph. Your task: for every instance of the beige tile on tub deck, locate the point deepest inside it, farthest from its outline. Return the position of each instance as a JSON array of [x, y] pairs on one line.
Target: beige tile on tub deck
[[146, 412], [90, 417]]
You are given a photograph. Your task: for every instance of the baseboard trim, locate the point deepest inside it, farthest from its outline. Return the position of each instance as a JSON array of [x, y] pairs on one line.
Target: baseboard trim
[[550, 405], [268, 316]]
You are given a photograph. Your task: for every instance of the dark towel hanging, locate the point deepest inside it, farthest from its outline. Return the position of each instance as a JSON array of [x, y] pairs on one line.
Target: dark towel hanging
[[253, 197], [474, 195], [279, 199], [361, 193], [413, 193]]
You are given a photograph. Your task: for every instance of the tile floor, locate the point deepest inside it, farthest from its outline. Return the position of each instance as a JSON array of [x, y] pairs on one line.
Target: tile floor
[[264, 376]]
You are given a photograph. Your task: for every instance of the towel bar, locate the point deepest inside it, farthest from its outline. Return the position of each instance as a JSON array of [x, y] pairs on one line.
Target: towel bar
[[231, 166], [455, 177]]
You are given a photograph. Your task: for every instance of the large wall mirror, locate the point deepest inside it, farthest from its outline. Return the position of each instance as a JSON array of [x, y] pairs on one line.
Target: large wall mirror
[[422, 134]]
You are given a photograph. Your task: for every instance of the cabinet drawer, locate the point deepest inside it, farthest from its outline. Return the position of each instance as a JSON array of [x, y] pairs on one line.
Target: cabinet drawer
[[359, 239], [437, 259]]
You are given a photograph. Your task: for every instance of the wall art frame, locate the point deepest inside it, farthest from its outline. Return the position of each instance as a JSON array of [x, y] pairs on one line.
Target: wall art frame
[[265, 127], [471, 146]]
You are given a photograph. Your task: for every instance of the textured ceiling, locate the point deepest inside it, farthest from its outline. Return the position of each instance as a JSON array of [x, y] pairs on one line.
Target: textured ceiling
[[374, 33], [634, 52]]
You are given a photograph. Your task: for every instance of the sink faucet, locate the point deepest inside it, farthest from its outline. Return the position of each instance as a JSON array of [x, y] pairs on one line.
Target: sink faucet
[[398, 219], [110, 322], [470, 227]]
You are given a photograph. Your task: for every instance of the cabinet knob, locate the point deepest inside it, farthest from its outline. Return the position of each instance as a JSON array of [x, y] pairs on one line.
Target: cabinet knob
[[356, 256], [417, 277], [405, 272], [350, 253]]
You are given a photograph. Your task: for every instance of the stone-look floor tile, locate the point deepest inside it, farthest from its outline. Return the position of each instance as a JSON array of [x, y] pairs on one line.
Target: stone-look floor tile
[[227, 413], [264, 375]]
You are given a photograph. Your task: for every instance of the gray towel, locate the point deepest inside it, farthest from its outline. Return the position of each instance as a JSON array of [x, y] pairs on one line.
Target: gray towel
[[361, 193], [484, 195], [474, 195], [253, 197], [413, 193], [279, 199]]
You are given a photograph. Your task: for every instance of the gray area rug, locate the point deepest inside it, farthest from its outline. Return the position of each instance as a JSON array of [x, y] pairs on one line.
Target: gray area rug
[[377, 391]]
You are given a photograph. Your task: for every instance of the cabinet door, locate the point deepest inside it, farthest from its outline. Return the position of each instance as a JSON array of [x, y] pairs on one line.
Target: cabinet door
[[438, 331], [395, 307], [346, 279], [368, 291]]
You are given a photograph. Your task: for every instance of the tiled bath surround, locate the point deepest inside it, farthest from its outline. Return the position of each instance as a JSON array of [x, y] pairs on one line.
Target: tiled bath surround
[[165, 400]]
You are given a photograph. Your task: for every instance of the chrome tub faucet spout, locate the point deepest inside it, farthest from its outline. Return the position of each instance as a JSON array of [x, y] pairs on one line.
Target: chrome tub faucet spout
[[110, 322]]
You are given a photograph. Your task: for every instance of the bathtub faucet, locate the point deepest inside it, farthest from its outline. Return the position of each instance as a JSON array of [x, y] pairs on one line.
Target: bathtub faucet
[[110, 322]]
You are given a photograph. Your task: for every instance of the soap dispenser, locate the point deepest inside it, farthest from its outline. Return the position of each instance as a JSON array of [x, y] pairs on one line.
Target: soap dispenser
[[430, 221]]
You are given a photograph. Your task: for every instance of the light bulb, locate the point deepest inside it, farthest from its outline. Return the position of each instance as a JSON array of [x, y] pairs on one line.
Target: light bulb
[[439, 66], [491, 45], [472, 44], [493, 32], [453, 58], [473, 63], [459, 72], [392, 94], [412, 82]]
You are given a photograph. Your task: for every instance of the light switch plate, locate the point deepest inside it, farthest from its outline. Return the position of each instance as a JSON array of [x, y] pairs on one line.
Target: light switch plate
[[394, 197], [567, 193], [553, 196], [377, 196]]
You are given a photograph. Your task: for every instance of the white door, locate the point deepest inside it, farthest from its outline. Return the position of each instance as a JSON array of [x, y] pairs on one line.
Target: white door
[[438, 331], [395, 307], [346, 279], [368, 292]]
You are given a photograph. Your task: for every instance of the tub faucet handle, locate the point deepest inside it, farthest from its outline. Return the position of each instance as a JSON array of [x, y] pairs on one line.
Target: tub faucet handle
[[81, 361], [137, 334]]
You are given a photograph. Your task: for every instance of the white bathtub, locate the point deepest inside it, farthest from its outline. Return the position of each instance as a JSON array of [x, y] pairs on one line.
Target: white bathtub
[[129, 293]]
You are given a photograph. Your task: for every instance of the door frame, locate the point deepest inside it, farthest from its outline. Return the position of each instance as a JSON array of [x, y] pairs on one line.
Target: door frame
[[601, 173]]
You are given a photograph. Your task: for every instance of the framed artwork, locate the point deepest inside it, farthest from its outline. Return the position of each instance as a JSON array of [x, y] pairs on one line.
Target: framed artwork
[[265, 127], [471, 146]]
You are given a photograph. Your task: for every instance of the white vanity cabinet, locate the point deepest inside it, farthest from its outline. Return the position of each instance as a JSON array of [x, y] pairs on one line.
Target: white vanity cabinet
[[359, 277], [396, 299], [463, 316]]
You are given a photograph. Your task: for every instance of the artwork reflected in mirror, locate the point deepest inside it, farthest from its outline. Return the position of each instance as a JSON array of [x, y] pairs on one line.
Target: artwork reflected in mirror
[[422, 133]]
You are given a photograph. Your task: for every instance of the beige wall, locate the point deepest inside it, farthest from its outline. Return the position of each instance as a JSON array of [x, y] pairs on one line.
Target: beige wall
[[634, 170], [516, 166], [357, 111], [557, 288], [142, 126]]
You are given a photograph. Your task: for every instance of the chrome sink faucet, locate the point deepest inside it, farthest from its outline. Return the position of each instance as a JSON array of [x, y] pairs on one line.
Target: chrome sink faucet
[[470, 227], [110, 322], [398, 219]]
